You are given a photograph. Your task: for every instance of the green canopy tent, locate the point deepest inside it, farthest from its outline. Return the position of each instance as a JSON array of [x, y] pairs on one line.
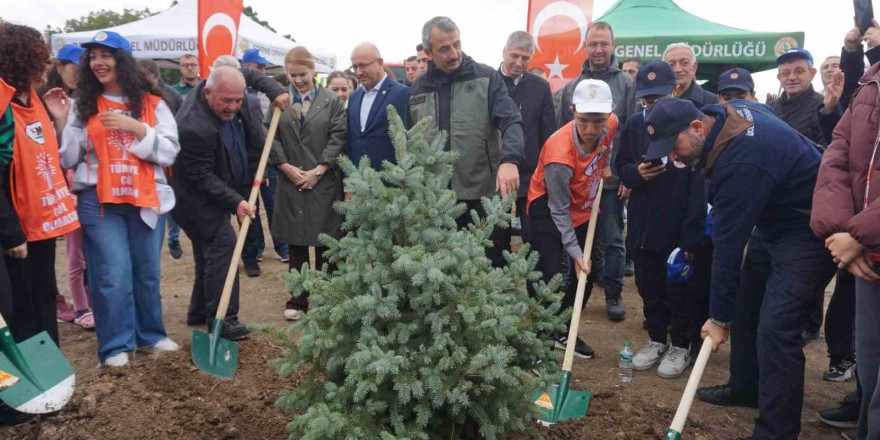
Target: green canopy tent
[[643, 29]]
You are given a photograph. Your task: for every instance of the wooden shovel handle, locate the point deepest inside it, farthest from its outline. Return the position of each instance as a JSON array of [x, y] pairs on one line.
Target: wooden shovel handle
[[684, 407], [582, 283], [246, 223]]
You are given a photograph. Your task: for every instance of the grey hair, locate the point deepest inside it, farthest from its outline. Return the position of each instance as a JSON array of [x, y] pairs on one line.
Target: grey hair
[[674, 46], [226, 60], [521, 40], [445, 24], [220, 74]]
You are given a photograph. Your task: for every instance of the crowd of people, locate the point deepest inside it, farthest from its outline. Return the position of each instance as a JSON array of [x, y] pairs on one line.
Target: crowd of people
[[735, 214]]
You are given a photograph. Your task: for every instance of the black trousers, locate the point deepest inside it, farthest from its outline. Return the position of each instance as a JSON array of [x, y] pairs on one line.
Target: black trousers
[[547, 241], [744, 332], [841, 317], [212, 258], [299, 255], [32, 283], [500, 237], [670, 308]]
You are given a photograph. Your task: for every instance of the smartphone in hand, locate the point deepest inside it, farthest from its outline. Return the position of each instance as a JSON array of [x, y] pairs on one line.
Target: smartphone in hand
[[655, 162], [864, 14]]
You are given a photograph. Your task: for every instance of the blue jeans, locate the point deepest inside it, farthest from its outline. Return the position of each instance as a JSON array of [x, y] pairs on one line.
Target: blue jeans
[[123, 257], [609, 238], [173, 230], [254, 242], [868, 355]]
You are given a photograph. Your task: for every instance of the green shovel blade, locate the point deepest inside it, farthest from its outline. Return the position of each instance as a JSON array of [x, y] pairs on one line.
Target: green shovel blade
[[559, 402], [47, 379], [672, 434], [213, 354]]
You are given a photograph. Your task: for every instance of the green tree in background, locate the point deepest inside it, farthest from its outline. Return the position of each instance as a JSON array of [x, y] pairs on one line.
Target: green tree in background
[[414, 335]]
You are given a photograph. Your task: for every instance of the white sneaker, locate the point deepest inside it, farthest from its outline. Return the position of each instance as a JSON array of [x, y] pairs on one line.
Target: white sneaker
[[649, 355], [164, 345], [292, 315], [674, 363], [117, 360]]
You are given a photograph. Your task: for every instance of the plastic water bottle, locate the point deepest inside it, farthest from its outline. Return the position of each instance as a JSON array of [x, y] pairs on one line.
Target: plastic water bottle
[[625, 364]]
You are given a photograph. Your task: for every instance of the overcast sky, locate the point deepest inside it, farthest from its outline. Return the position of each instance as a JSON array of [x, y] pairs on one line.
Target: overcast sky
[[395, 25]]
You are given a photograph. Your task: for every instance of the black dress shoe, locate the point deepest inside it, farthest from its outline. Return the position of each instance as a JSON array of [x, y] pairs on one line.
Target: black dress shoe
[[233, 330], [252, 268], [722, 395]]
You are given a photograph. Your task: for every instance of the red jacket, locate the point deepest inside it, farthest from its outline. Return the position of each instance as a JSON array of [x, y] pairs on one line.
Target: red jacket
[[843, 201]]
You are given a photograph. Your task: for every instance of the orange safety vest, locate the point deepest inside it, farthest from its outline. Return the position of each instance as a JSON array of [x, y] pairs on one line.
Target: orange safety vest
[[123, 177], [561, 148], [44, 204]]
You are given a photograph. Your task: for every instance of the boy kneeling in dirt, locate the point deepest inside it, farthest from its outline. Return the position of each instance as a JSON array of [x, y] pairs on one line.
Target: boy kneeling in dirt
[[564, 187]]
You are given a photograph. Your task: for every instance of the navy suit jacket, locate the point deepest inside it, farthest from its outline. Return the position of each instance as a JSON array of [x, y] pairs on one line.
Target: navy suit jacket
[[374, 141]]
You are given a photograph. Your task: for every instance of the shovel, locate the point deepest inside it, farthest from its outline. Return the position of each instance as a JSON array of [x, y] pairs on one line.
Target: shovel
[[45, 378], [559, 402], [684, 407], [211, 353]]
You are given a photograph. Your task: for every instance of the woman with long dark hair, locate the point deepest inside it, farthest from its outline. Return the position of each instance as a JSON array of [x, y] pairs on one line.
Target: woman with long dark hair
[[119, 135], [64, 74], [36, 206]]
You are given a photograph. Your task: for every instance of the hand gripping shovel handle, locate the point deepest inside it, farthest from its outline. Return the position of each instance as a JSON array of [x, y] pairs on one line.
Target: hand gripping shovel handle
[[245, 224], [684, 407], [582, 283]]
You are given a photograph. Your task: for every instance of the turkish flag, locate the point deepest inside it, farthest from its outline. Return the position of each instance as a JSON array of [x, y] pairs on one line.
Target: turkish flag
[[559, 28], [218, 30]]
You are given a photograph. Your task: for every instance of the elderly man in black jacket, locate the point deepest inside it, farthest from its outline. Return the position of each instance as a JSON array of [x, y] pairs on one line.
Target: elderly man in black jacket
[[799, 103], [532, 95], [681, 57], [221, 141]]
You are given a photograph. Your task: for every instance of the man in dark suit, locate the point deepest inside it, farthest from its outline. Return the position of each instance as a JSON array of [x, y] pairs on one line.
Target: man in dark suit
[[532, 95], [367, 133], [221, 142]]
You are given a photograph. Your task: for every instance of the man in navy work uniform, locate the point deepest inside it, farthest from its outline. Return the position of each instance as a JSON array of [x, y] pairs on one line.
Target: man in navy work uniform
[[760, 174]]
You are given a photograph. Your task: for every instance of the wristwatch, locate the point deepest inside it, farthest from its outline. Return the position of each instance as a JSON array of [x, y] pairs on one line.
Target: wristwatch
[[724, 325]]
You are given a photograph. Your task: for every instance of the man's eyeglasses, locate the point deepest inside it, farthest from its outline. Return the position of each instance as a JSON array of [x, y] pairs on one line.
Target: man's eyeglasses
[[355, 67], [189, 65], [786, 73]]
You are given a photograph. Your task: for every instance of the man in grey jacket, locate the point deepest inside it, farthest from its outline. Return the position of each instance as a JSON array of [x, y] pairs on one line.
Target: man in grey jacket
[[601, 64], [470, 101]]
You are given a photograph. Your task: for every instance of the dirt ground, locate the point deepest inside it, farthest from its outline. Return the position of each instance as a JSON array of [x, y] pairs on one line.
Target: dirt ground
[[166, 397]]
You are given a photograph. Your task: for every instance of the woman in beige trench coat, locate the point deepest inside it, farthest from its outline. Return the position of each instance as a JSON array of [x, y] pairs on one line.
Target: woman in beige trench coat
[[310, 136]]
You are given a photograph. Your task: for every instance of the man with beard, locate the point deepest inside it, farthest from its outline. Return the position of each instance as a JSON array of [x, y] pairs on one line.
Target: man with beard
[[610, 258], [470, 101], [760, 174]]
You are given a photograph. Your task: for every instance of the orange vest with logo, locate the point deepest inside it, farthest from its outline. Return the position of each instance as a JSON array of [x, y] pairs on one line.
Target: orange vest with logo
[[44, 204], [560, 148], [122, 176]]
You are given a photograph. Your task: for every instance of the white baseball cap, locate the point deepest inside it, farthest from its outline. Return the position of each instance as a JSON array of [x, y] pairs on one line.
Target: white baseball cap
[[592, 96]]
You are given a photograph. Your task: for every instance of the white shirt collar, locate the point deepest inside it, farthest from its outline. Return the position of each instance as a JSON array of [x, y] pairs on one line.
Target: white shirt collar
[[515, 80], [378, 85]]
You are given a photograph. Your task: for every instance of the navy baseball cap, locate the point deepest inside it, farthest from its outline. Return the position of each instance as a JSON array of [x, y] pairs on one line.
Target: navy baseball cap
[[655, 78], [109, 39], [736, 78], [70, 52], [793, 54], [254, 56], [664, 122]]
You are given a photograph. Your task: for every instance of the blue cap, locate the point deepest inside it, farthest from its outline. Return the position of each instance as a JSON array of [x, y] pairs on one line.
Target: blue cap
[[254, 56], [736, 78], [109, 39], [70, 52], [655, 78], [793, 54], [667, 118], [678, 268]]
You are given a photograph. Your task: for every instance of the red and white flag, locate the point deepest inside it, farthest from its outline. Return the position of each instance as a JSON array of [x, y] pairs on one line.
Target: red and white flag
[[218, 30], [559, 28]]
